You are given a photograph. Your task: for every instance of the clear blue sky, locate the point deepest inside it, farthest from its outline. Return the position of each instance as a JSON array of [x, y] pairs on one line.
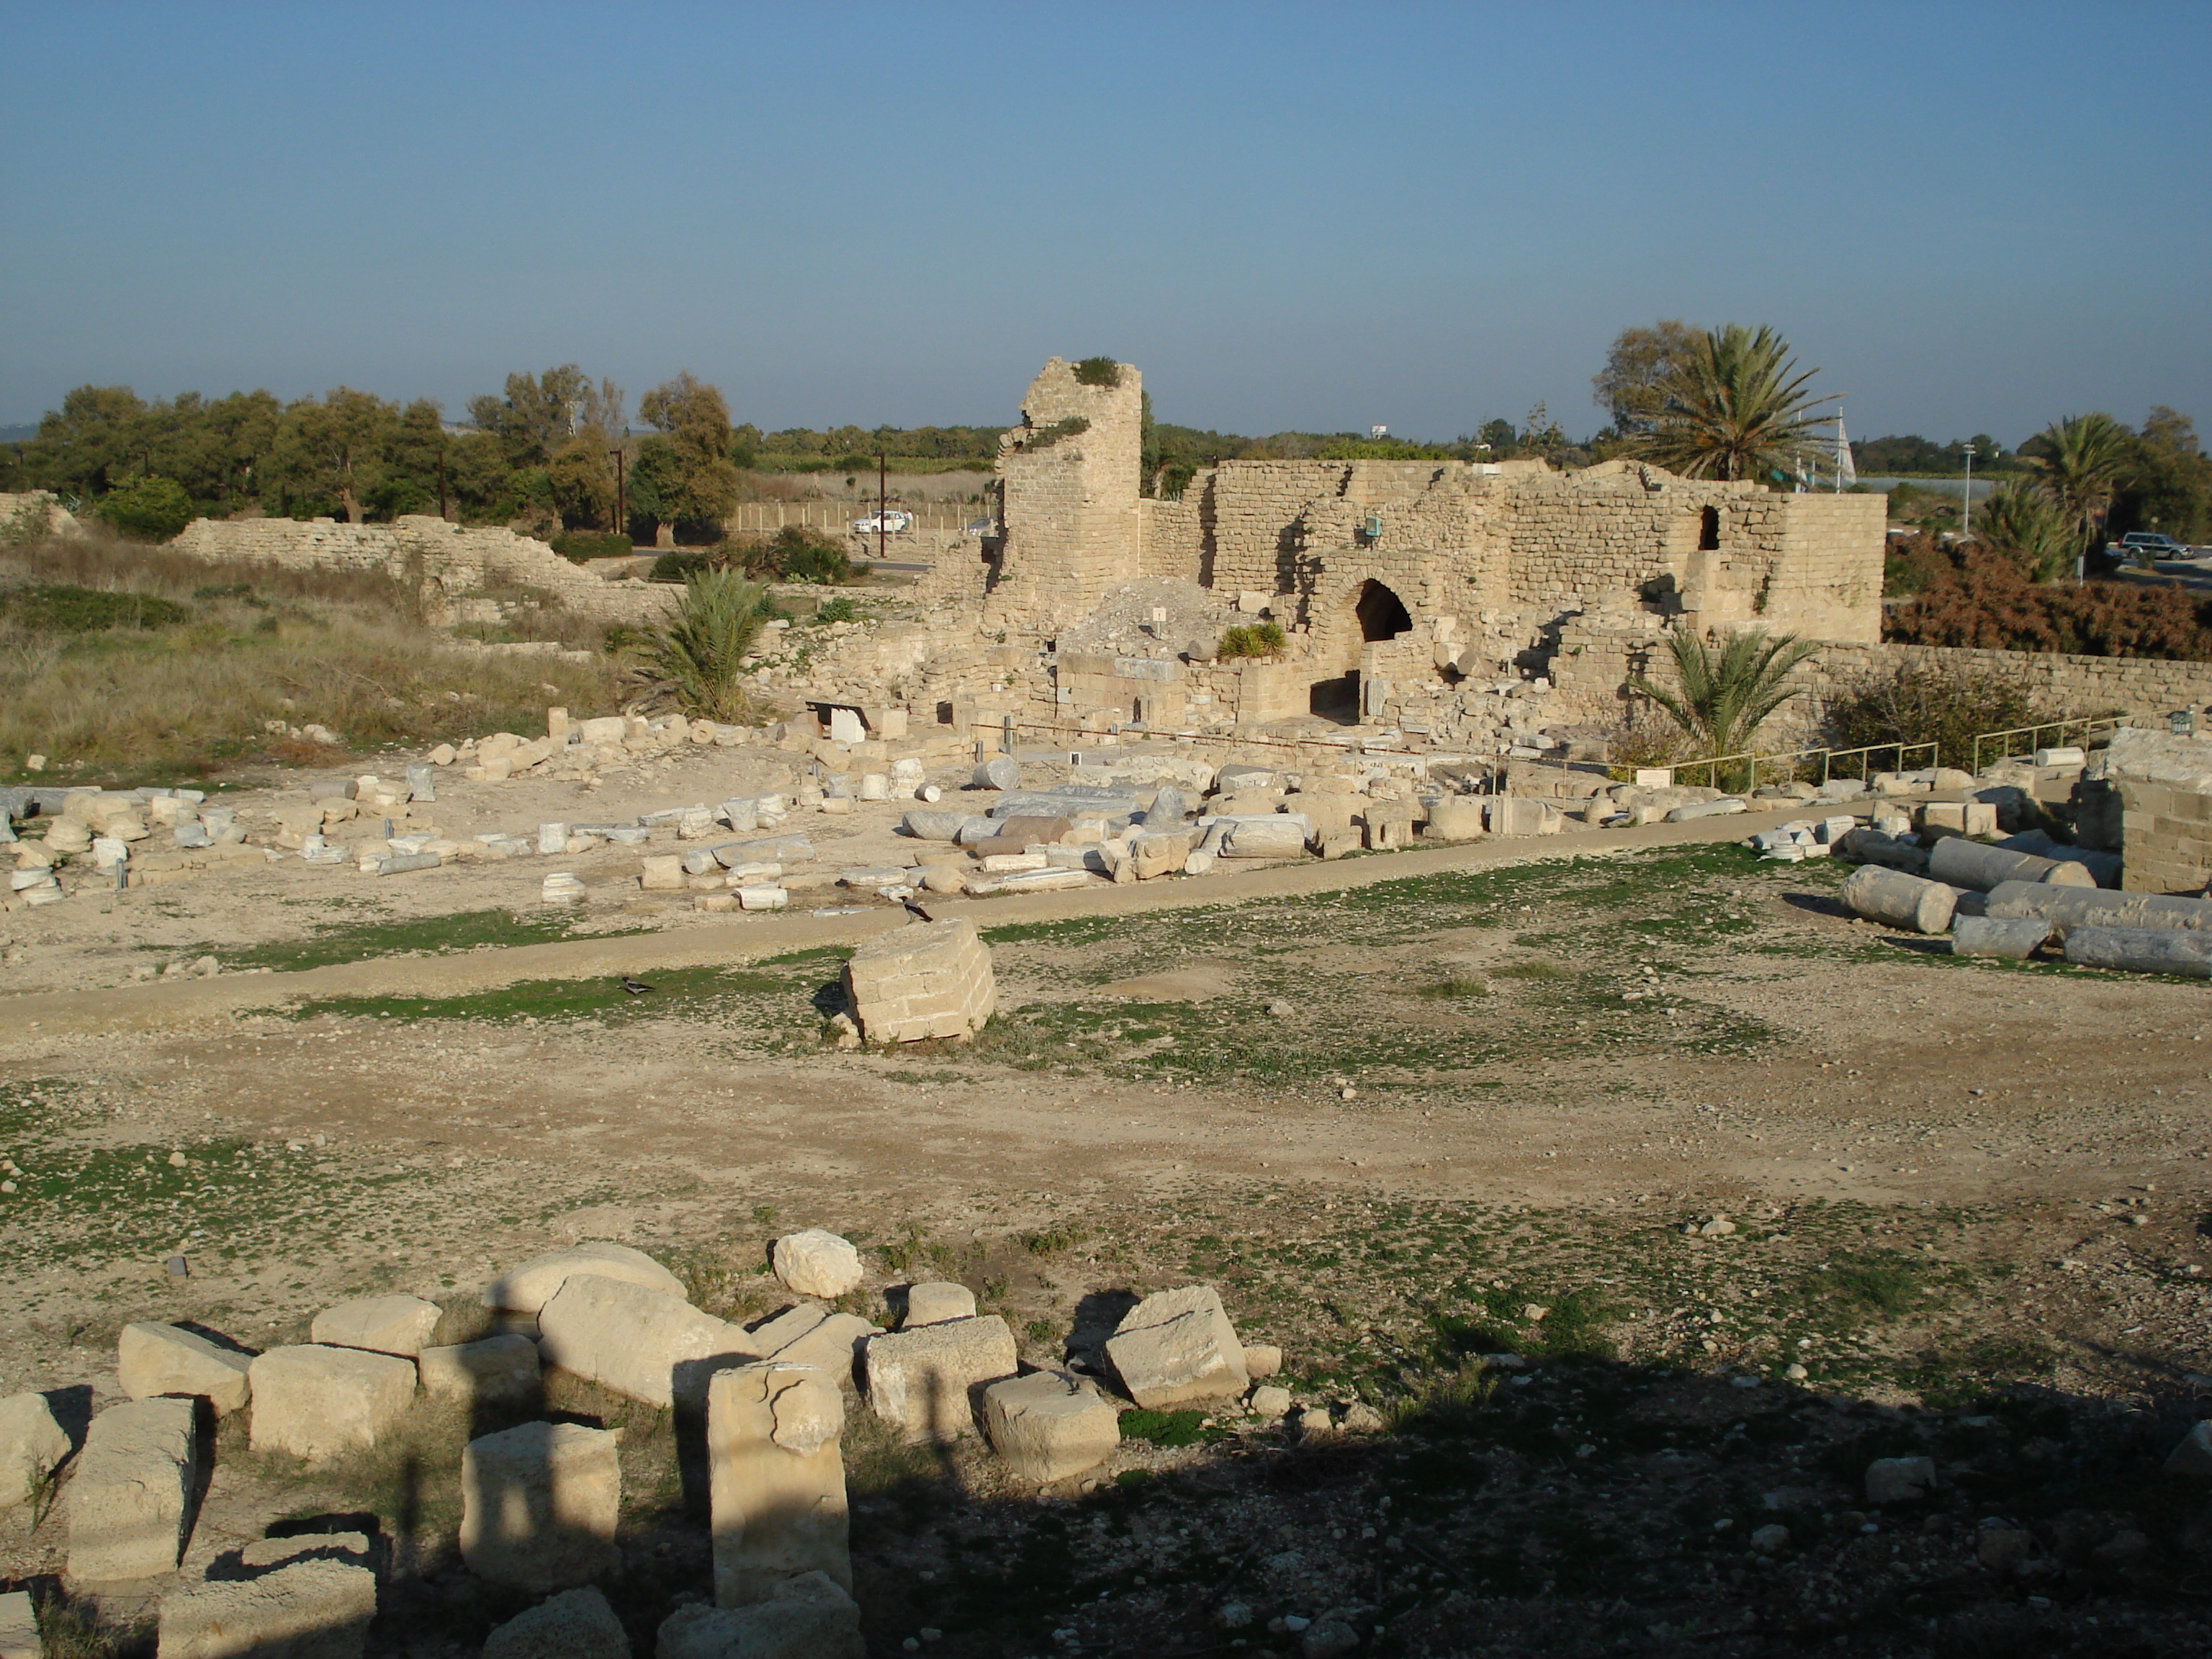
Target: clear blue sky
[[1969, 216]]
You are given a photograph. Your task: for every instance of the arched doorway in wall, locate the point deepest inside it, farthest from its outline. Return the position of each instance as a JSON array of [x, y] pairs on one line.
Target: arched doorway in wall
[[1382, 615]]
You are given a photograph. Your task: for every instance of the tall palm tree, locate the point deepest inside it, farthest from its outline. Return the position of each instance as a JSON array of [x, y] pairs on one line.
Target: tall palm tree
[[1734, 407], [1725, 696], [2087, 458]]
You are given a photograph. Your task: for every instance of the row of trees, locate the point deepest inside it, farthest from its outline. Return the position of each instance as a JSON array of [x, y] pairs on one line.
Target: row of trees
[[544, 447]]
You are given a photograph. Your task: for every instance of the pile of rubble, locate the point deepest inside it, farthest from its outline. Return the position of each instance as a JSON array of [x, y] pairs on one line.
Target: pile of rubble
[[542, 1500]]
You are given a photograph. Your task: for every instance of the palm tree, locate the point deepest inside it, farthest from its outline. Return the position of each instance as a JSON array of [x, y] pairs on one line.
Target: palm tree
[[697, 652], [2085, 458], [2025, 522], [1734, 407], [1725, 696]]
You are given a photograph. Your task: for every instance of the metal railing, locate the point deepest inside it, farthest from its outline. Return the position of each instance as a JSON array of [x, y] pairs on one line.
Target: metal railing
[[2085, 724], [1797, 758]]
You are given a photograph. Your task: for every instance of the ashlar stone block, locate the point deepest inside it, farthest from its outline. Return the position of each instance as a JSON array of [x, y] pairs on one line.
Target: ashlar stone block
[[529, 1287], [316, 1402], [1177, 1345], [312, 1609], [809, 1617], [128, 1497], [643, 1343], [496, 1370], [929, 1382], [1049, 1426], [576, 1624], [538, 1505], [381, 1324], [32, 1446], [935, 1303], [154, 1359], [776, 1479]]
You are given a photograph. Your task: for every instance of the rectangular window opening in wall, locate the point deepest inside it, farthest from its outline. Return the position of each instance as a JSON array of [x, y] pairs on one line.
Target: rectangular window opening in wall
[[1709, 530]]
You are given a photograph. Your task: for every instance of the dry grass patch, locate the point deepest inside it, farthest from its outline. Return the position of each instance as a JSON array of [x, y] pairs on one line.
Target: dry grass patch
[[143, 663]]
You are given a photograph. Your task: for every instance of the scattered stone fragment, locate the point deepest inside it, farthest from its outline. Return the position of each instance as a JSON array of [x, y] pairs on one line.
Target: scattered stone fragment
[[1899, 1479], [1270, 1401], [316, 1402], [809, 1617], [32, 1446], [816, 1262], [776, 1479], [2193, 1456], [381, 1324], [576, 1624], [306, 1610], [539, 1503], [1177, 1345], [1049, 1426], [928, 1382], [643, 1343], [153, 1359], [129, 1490], [1261, 1359], [529, 1287]]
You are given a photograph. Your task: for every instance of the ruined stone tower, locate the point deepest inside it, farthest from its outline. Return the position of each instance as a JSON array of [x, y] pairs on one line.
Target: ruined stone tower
[[1069, 477]]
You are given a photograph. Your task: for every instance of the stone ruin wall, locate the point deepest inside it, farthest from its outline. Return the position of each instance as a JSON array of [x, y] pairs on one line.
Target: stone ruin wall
[[452, 563]]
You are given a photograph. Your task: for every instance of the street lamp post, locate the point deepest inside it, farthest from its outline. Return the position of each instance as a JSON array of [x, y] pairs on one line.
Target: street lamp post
[[1966, 505]]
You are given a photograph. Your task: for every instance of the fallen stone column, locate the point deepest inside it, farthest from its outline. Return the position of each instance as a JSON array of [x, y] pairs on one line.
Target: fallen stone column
[[776, 1479], [1963, 863], [2097, 906], [1902, 901], [643, 1343], [2142, 949], [2005, 938]]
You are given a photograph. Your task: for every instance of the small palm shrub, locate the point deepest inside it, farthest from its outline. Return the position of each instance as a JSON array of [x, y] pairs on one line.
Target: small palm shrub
[[1265, 638], [697, 652]]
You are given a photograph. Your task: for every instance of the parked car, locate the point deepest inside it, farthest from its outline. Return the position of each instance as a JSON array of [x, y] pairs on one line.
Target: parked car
[[983, 526], [2150, 544], [893, 521]]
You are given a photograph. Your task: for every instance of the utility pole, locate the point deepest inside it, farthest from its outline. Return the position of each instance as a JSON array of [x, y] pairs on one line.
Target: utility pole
[[621, 500], [883, 502], [441, 481], [1966, 505]]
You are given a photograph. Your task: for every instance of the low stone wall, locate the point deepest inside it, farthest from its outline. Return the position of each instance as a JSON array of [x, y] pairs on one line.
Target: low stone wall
[[450, 562]]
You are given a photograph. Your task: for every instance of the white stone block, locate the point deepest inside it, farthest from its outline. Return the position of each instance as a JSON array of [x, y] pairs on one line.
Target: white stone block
[[576, 1624], [539, 1503], [646, 1344], [1049, 1426], [776, 1479], [935, 1303], [306, 1610], [153, 1359], [928, 1382], [317, 1402], [381, 1324], [1177, 1345], [497, 1370], [32, 1446], [128, 1492], [529, 1287]]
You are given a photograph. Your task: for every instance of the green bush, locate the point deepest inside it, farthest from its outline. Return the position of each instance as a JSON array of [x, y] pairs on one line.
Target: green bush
[[800, 554], [147, 509], [1098, 371], [62, 609], [582, 545], [1046, 436], [838, 610], [1918, 703], [1253, 640]]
